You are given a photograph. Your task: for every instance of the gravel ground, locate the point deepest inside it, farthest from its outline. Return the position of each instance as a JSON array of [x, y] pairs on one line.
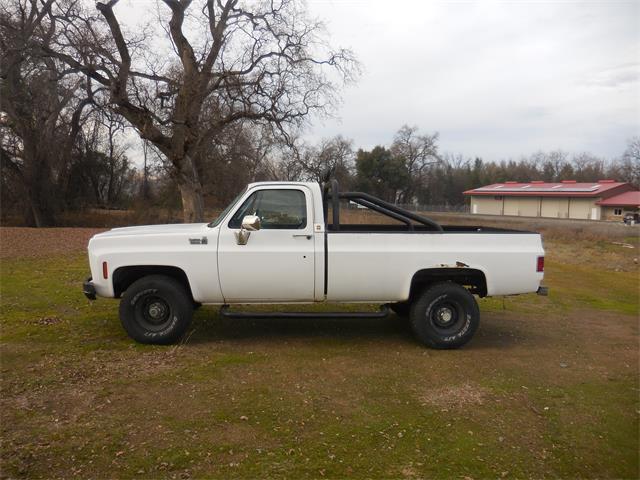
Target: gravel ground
[[19, 242]]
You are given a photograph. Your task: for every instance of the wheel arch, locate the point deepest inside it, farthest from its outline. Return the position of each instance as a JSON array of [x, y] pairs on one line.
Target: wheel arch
[[473, 279], [123, 277]]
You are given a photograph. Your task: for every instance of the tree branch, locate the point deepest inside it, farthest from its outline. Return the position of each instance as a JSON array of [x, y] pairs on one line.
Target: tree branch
[[185, 50], [106, 9]]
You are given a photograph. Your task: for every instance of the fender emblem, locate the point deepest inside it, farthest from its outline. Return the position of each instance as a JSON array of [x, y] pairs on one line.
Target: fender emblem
[[198, 241]]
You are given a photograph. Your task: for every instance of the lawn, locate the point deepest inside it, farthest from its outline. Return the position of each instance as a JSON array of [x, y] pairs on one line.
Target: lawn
[[549, 387]]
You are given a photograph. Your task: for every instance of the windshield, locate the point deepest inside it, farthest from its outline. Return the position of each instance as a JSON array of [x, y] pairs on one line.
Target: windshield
[[224, 212]]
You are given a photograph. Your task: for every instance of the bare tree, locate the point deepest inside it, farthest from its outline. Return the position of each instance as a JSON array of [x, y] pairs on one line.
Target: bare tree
[[632, 153], [335, 155], [418, 152], [41, 106], [236, 156], [584, 167], [102, 163], [555, 165], [258, 61], [627, 168], [247, 146], [284, 165]]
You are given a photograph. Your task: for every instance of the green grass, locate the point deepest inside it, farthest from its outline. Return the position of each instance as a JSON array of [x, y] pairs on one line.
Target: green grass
[[548, 388], [573, 287]]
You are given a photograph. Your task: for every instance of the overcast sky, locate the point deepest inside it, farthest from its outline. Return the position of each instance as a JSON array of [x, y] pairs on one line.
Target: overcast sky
[[496, 79]]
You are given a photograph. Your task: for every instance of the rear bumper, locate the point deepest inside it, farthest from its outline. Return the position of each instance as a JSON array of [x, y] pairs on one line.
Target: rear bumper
[[88, 289], [544, 291]]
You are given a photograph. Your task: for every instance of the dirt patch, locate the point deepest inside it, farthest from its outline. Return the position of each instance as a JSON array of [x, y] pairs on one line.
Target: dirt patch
[[47, 320], [456, 396], [19, 242]]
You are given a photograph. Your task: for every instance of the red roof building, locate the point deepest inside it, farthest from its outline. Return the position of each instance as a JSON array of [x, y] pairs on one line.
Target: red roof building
[[566, 199], [571, 188], [626, 199]]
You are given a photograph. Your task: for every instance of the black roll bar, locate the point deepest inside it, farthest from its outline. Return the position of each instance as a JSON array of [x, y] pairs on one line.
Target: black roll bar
[[377, 208], [371, 202], [335, 201], [393, 208], [331, 185]]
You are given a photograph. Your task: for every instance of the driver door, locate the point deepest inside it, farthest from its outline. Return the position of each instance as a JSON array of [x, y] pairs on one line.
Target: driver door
[[277, 262]]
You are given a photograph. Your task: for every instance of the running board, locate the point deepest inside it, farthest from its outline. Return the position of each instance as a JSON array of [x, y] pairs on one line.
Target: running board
[[383, 312]]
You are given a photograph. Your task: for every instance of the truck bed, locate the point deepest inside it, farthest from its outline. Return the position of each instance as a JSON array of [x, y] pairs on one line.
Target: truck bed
[[377, 262]]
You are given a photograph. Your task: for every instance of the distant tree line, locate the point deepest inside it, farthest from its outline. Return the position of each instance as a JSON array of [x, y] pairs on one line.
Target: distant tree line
[[412, 169], [213, 111]]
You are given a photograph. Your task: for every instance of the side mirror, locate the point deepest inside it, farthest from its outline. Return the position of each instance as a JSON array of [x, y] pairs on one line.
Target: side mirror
[[250, 223]]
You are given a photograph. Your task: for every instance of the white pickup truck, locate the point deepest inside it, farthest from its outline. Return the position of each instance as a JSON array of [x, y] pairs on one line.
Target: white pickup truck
[[275, 244]]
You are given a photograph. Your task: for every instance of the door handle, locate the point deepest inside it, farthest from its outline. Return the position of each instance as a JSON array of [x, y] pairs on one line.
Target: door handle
[[302, 235]]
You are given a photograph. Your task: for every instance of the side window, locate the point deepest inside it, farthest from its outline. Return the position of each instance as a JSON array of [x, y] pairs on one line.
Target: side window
[[277, 209]]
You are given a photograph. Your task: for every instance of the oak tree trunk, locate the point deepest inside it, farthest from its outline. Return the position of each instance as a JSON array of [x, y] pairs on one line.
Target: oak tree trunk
[[38, 181], [40, 212], [190, 191]]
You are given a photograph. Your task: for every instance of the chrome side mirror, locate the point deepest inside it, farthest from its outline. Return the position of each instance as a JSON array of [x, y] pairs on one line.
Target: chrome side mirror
[[250, 223]]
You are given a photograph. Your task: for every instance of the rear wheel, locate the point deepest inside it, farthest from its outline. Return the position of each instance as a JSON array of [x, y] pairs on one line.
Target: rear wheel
[[156, 309], [445, 315]]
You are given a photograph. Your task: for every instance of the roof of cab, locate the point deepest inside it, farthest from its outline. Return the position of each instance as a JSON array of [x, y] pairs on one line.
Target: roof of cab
[[281, 182]]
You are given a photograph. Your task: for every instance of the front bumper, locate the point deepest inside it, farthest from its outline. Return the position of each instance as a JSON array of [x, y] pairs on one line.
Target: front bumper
[[88, 289]]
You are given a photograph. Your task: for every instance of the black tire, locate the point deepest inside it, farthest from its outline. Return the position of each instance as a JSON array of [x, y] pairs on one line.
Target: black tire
[[401, 309], [156, 309], [445, 315]]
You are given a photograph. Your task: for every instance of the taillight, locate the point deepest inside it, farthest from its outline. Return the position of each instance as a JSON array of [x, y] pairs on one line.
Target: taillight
[[105, 270], [539, 266]]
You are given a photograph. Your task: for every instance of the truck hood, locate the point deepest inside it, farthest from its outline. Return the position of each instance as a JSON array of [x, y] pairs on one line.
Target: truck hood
[[171, 228]]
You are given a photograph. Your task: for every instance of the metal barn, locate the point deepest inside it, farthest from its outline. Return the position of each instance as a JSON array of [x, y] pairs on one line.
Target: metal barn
[[567, 199]]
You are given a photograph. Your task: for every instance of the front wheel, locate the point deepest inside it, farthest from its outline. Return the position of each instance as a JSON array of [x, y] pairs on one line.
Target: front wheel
[[446, 315], [156, 309]]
